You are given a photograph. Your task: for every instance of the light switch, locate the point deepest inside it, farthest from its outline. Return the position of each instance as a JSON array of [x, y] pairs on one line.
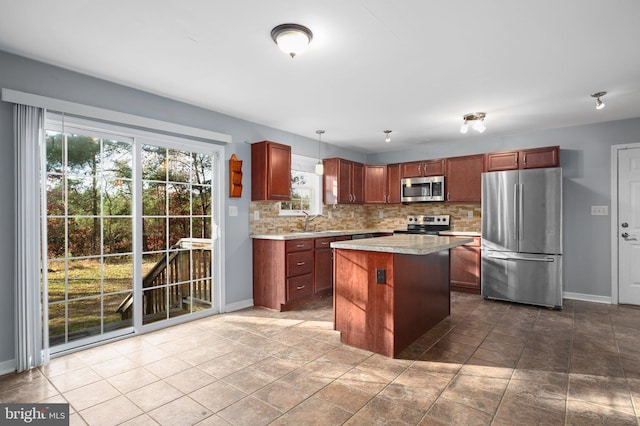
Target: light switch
[[381, 214], [233, 210], [469, 214], [256, 215]]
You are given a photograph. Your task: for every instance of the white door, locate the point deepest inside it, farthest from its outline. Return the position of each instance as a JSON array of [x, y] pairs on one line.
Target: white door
[[629, 226]]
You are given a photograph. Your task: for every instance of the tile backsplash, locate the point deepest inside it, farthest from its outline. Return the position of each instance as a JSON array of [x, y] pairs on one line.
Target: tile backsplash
[[344, 216]]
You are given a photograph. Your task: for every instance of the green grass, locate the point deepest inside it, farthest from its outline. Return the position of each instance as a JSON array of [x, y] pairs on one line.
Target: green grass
[[84, 281]]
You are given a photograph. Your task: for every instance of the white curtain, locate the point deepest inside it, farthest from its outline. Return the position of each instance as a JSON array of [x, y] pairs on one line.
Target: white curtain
[[28, 131]]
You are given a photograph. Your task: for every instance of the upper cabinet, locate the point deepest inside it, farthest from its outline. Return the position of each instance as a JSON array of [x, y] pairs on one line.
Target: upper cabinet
[[393, 183], [382, 183], [343, 182], [270, 171], [375, 183], [525, 159], [422, 168], [463, 181]]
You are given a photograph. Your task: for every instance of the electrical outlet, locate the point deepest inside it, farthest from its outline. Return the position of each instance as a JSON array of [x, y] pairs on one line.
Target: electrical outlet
[[381, 276], [330, 214], [469, 214], [381, 214], [599, 210], [256, 215], [353, 214]]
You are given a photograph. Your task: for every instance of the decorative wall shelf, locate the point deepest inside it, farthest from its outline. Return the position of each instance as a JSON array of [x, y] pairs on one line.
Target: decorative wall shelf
[[235, 177]]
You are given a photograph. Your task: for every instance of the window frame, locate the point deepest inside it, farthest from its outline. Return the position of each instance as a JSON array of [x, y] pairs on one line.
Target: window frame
[[305, 164], [60, 122]]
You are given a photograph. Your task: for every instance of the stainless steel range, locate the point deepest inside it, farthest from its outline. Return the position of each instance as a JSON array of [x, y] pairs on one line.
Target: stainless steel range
[[425, 224]]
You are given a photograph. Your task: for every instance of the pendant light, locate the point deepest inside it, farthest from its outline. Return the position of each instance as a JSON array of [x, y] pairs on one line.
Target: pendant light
[[319, 165], [387, 139]]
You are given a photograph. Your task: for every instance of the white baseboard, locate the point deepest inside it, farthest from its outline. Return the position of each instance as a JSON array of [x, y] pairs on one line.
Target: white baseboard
[[236, 306], [587, 297], [7, 367]]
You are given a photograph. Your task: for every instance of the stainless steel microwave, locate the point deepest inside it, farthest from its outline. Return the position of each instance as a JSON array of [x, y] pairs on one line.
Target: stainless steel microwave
[[422, 189]]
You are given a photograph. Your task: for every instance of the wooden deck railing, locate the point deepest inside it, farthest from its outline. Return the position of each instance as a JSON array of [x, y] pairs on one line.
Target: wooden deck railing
[[189, 264]]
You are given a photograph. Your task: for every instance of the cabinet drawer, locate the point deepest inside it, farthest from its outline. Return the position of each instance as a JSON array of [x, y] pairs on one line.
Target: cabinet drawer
[[299, 263], [299, 245], [299, 287], [324, 243]]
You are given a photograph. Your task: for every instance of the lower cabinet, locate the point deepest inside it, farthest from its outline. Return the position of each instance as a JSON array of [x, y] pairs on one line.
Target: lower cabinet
[[282, 272], [287, 272], [464, 267]]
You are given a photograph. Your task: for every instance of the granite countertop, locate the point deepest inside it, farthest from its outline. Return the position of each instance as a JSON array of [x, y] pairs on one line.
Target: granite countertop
[[404, 244], [317, 234], [460, 233]]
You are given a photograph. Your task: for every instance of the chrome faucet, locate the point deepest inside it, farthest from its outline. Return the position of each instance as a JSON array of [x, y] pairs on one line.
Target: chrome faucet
[[308, 219]]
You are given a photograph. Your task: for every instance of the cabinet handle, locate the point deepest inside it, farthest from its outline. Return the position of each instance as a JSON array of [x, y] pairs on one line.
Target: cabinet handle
[[300, 287], [419, 169], [525, 159], [448, 196], [516, 161], [324, 243], [300, 263], [299, 245]]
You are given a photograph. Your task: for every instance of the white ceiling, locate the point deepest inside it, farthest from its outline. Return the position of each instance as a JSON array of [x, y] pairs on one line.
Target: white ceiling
[[413, 66]]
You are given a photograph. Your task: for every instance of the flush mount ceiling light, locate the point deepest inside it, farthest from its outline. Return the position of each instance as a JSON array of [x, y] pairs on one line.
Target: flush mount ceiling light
[[387, 139], [598, 95], [475, 120], [319, 165], [292, 39]]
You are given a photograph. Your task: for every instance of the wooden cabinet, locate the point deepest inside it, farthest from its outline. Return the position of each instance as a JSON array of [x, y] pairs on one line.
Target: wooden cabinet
[[375, 184], [393, 183], [463, 179], [286, 273], [464, 267], [343, 182], [323, 265], [422, 168], [534, 158], [381, 184], [270, 171], [282, 272]]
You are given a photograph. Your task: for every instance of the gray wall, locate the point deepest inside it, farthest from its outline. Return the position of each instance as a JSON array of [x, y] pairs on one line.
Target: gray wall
[[25, 75], [585, 156]]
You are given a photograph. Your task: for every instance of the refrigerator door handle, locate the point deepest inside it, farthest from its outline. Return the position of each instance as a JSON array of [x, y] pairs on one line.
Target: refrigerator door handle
[[521, 212], [528, 259], [515, 211]]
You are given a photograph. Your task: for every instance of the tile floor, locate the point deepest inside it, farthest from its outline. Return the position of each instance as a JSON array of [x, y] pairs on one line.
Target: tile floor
[[488, 363]]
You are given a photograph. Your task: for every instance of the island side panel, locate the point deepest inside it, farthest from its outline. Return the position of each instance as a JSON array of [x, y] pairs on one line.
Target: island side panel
[[421, 295], [269, 273], [363, 310]]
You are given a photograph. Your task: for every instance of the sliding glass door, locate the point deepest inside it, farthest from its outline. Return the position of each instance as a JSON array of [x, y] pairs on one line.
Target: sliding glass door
[[130, 233]]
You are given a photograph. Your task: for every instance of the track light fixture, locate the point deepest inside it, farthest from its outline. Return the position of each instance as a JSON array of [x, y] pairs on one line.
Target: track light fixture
[[387, 139], [598, 95], [475, 120], [292, 39], [319, 164]]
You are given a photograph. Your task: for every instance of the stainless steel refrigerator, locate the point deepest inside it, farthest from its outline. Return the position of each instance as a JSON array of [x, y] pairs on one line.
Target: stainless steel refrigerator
[[522, 236]]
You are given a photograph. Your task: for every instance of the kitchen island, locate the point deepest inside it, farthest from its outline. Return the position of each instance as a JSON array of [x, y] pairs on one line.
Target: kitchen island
[[391, 290]]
